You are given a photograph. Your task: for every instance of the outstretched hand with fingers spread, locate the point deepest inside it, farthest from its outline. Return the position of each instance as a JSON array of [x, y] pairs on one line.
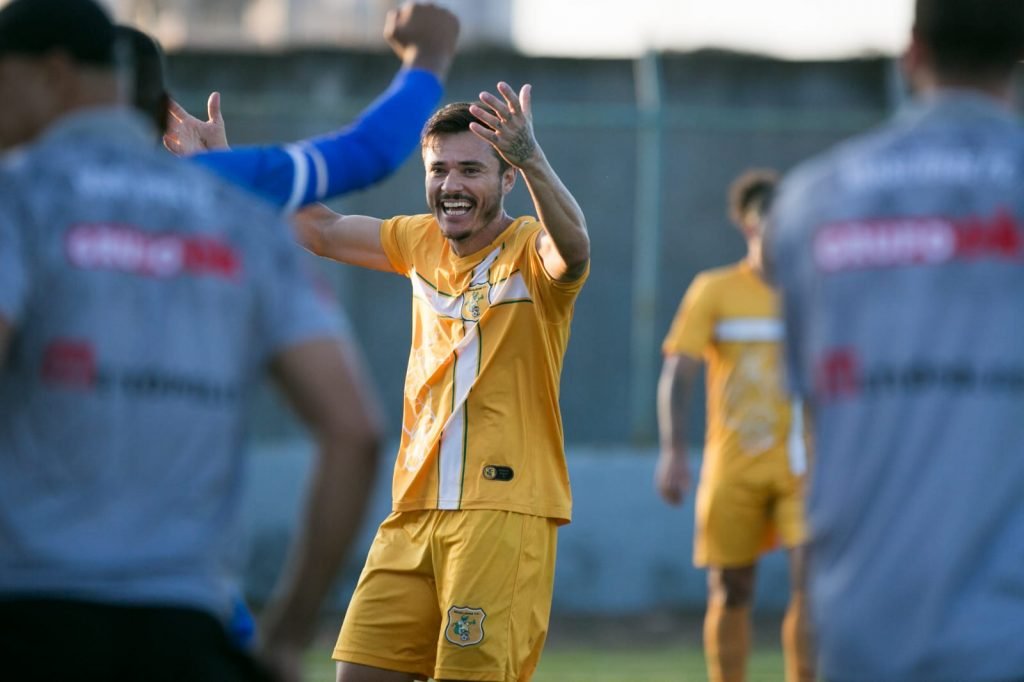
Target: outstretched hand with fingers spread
[[186, 134], [507, 123]]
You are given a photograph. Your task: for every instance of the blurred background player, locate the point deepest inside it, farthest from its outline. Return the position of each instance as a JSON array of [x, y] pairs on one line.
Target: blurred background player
[[139, 304], [751, 483], [422, 35], [900, 257]]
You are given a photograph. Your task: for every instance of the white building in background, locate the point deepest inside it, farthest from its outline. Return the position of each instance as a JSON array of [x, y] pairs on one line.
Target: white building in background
[[796, 29], [278, 23]]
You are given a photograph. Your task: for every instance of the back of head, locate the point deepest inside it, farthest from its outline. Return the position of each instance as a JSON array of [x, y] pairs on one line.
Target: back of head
[[965, 38], [752, 191], [149, 86], [59, 57], [79, 28]]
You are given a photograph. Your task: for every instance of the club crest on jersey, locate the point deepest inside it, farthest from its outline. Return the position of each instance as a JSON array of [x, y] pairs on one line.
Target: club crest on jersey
[[465, 626], [476, 301]]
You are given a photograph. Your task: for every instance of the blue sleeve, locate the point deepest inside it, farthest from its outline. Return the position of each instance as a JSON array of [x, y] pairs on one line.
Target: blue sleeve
[[356, 156]]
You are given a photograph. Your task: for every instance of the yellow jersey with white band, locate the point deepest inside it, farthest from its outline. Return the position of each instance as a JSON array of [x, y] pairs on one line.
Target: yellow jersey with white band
[[481, 425], [729, 317]]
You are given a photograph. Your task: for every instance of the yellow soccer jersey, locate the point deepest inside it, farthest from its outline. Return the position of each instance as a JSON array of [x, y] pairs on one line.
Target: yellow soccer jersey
[[481, 425], [730, 318]]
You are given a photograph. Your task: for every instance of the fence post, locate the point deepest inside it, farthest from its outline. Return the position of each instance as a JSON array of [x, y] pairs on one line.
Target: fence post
[[646, 243]]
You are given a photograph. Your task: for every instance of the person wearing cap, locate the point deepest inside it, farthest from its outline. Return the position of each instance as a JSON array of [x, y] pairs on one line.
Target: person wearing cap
[[423, 37], [141, 301]]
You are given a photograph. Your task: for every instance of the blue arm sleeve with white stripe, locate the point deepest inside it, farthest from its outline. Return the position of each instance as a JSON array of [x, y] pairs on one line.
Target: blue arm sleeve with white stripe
[[371, 148]]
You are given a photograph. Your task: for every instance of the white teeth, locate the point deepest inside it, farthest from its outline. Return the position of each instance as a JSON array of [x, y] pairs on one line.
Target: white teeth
[[456, 207]]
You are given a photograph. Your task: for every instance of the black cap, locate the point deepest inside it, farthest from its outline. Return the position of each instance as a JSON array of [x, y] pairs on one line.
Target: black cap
[[81, 28]]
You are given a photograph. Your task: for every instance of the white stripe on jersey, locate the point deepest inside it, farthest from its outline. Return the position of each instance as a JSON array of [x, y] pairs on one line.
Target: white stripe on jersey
[[320, 167], [299, 178], [753, 329], [467, 365], [453, 436]]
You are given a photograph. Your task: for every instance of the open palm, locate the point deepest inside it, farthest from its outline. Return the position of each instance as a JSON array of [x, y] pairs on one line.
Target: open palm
[[186, 134]]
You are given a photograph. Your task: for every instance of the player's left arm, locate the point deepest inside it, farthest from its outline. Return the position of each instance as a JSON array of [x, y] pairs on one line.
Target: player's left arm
[[507, 123]]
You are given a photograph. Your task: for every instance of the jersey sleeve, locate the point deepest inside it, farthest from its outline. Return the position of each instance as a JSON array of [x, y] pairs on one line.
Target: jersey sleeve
[[555, 298], [394, 235], [368, 150], [14, 278], [693, 326]]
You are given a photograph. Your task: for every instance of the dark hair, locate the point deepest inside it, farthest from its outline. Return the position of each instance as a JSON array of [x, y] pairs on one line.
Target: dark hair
[[149, 87], [452, 119], [81, 28], [752, 189], [971, 37]]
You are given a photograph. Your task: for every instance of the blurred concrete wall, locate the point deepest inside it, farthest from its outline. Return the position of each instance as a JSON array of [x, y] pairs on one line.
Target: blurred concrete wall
[[625, 551]]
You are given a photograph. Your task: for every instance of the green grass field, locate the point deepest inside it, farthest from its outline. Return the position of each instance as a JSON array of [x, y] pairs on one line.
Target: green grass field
[[599, 664]]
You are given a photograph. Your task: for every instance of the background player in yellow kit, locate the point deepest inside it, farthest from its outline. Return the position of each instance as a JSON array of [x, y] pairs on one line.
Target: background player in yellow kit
[[751, 486]]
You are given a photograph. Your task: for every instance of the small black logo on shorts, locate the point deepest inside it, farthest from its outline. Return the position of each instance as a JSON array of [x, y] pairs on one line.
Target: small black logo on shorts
[[497, 473]]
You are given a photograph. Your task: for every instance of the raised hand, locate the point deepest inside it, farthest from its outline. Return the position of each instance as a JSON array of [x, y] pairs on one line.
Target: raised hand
[[423, 36], [186, 134], [507, 123]]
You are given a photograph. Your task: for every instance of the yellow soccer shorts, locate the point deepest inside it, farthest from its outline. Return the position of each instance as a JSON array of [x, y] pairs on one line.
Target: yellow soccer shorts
[[454, 595], [741, 515]]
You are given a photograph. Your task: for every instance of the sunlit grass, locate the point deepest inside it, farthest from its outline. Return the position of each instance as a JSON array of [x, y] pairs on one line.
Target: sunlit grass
[[583, 664]]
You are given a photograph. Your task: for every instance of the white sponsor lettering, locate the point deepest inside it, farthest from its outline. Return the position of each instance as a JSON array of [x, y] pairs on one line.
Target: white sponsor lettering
[[928, 166], [858, 245], [108, 247], [150, 189]]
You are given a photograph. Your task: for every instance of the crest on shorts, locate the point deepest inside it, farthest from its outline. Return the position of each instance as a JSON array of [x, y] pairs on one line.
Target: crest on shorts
[[475, 301], [465, 626]]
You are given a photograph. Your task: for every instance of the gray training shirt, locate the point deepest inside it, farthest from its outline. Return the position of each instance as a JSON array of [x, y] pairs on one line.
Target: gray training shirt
[[146, 296], [900, 256]]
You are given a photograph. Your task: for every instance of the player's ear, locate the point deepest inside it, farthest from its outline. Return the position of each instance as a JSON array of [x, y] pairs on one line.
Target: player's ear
[[914, 59], [508, 180]]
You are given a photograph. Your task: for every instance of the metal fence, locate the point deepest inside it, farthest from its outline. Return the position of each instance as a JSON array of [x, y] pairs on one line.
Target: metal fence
[[647, 147]]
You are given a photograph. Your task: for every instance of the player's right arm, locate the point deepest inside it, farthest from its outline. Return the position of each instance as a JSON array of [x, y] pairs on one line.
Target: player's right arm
[[323, 382], [423, 36], [14, 274], [315, 364], [675, 388], [6, 332], [690, 333], [351, 239]]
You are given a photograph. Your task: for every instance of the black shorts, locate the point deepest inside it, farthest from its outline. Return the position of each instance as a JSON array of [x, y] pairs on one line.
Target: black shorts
[[56, 639]]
